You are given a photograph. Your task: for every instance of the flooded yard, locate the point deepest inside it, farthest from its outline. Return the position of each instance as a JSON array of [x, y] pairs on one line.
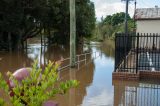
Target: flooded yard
[[96, 86]]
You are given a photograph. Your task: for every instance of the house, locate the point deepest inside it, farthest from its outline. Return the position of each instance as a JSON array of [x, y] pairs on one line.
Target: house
[[148, 20], [139, 59]]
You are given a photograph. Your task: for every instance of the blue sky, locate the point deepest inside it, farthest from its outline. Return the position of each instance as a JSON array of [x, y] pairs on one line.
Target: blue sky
[[108, 7]]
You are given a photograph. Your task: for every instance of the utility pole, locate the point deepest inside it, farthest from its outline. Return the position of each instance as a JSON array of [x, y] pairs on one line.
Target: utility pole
[[126, 18], [126, 32], [72, 33], [135, 4]]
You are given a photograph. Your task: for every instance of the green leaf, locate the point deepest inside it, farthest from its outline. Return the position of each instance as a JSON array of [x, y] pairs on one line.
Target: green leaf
[[1, 102], [38, 87]]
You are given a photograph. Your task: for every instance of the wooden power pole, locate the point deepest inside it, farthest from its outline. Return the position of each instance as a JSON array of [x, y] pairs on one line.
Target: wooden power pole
[[126, 31], [72, 33], [126, 16], [135, 6]]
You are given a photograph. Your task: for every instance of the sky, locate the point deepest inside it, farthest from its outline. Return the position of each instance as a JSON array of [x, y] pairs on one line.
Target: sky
[[109, 7]]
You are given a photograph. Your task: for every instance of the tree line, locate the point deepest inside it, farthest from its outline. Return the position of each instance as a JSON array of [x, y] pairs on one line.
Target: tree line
[[112, 24], [23, 19]]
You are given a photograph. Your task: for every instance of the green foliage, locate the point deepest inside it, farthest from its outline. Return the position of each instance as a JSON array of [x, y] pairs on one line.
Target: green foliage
[[28, 18], [108, 19], [64, 86], [1, 102], [85, 17], [113, 24], [3, 84], [38, 87]]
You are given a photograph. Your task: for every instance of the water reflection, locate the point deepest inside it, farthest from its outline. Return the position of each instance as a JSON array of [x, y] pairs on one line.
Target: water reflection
[[76, 96], [95, 78], [36, 51], [136, 93], [95, 83], [108, 48], [12, 61], [96, 86], [18, 59], [101, 92]]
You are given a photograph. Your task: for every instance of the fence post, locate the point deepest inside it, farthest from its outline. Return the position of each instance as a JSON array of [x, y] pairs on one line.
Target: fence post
[[78, 61], [115, 65], [125, 47], [85, 58], [153, 46], [137, 50]]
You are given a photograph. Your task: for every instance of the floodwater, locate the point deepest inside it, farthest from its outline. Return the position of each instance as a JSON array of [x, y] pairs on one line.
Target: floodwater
[[95, 75]]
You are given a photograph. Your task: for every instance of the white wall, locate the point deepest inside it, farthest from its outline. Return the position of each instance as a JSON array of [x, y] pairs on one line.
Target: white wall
[[148, 26]]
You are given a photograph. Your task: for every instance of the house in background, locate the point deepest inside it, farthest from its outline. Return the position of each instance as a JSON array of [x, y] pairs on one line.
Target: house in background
[[137, 57], [148, 20]]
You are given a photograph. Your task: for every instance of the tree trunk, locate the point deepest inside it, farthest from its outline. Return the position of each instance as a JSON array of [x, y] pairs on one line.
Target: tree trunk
[[1, 34], [41, 40], [20, 40], [44, 37], [22, 44], [9, 41], [26, 44], [49, 36]]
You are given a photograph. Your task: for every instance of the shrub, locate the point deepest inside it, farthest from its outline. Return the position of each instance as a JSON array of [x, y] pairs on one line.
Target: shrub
[[36, 88]]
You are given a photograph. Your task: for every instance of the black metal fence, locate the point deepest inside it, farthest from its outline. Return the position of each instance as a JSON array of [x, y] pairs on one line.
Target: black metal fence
[[135, 52]]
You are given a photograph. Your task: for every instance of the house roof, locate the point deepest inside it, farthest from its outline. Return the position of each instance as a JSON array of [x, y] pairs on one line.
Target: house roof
[[147, 14]]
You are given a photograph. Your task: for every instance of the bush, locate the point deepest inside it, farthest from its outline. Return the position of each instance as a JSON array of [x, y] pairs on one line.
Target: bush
[[36, 88]]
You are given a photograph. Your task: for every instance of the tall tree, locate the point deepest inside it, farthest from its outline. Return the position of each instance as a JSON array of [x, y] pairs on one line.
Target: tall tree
[[27, 18], [112, 24]]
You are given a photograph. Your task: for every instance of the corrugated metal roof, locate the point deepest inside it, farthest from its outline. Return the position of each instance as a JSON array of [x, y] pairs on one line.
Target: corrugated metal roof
[[147, 13]]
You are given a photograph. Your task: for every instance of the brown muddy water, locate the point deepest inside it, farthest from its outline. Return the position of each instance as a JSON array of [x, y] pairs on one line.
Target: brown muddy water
[[96, 86]]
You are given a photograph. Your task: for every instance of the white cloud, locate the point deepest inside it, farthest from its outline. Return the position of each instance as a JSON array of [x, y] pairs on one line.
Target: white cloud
[[104, 63], [105, 98], [104, 8]]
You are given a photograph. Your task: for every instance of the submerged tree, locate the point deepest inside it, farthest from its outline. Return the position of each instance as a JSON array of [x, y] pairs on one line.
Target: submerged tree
[[27, 18]]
